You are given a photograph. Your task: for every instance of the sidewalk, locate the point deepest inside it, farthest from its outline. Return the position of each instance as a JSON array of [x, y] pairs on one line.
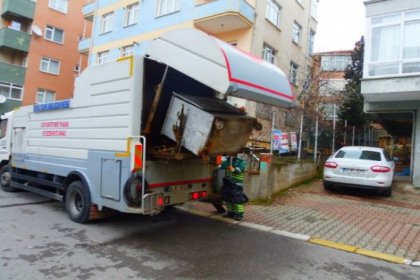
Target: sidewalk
[[356, 218]]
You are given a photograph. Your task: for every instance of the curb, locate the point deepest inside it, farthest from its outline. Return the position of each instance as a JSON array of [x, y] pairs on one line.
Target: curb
[[309, 239]]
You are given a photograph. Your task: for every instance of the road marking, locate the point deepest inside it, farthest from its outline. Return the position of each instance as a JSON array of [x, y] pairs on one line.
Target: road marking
[[255, 226], [333, 244], [292, 235], [382, 256]]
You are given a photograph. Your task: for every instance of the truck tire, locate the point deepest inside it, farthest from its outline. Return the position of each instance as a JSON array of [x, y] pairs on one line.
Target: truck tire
[[6, 179], [78, 202]]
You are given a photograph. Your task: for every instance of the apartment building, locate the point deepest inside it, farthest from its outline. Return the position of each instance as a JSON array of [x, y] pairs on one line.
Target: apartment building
[[15, 28], [279, 31], [54, 61], [39, 56], [328, 75], [391, 79]]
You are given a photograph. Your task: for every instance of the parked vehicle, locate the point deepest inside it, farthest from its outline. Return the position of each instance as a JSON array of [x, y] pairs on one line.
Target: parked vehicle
[[141, 133], [360, 167]]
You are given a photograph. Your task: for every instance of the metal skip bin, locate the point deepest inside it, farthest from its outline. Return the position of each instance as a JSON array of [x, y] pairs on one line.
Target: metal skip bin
[[207, 126]]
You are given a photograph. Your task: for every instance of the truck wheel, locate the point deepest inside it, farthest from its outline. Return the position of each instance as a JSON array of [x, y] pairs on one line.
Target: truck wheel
[[78, 202], [5, 179]]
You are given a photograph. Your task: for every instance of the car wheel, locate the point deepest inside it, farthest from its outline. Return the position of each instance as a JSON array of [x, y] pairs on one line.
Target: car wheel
[[78, 202], [328, 186], [6, 179], [387, 192]]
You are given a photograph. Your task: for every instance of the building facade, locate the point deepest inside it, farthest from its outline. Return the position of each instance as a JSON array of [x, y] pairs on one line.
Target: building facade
[[391, 82], [279, 31], [39, 56], [15, 38], [328, 75]]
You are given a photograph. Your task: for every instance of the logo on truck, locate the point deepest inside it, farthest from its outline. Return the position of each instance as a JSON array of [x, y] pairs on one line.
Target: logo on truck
[[54, 128], [64, 104]]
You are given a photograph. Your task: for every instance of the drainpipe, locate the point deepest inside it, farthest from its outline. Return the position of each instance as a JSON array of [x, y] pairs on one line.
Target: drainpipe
[[92, 33]]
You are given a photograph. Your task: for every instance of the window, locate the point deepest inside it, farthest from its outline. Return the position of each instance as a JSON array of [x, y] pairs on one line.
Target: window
[[297, 32], [106, 23], [272, 12], [127, 50], [328, 110], [167, 7], [15, 25], [102, 57], [357, 154], [44, 96], [76, 68], [314, 6], [337, 63], [394, 44], [269, 54], [311, 41], [59, 5], [131, 14], [50, 65], [293, 72], [3, 127], [11, 91], [54, 34]]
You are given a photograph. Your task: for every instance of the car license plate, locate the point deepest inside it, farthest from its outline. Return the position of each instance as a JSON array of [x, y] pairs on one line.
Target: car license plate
[[353, 170]]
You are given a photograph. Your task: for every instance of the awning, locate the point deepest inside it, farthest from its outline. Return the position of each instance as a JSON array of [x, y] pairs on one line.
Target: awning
[[222, 67]]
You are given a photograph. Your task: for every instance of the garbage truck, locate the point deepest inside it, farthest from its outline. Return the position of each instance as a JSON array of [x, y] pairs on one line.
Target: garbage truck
[[140, 133]]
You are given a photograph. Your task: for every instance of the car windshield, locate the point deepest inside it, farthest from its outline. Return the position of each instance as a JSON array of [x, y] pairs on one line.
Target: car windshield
[[359, 154]]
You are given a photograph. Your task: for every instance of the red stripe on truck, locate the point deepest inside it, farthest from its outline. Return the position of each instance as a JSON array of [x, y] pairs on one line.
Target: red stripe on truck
[[184, 182]]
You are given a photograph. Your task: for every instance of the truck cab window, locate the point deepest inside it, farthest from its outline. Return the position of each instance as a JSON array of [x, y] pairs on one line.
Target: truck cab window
[[3, 127]]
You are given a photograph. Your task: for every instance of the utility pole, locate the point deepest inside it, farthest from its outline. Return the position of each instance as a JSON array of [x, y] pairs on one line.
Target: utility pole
[[333, 138], [316, 136]]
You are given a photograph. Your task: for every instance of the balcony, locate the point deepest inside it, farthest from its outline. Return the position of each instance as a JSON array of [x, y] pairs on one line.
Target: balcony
[[12, 73], [15, 40], [84, 46], [18, 9], [88, 10], [223, 16], [391, 89]]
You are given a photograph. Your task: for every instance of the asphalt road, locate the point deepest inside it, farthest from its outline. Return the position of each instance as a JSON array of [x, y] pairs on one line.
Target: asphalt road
[[38, 241]]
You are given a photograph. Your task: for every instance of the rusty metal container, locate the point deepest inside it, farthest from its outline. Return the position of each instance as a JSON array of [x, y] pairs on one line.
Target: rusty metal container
[[207, 126]]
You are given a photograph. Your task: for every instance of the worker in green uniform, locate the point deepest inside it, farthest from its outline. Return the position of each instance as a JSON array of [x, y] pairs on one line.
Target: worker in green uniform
[[232, 190]]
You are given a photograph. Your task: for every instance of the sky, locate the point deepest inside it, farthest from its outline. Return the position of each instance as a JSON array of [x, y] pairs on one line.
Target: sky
[[341, 23]]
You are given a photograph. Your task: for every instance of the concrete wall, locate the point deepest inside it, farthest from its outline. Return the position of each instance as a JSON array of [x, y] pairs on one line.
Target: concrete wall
[[274, 178]]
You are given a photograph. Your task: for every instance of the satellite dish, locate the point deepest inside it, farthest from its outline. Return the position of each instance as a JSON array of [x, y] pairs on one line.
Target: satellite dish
[[2, 99], [36, 30]]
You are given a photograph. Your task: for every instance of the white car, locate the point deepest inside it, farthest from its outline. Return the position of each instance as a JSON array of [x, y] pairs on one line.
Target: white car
[[360, 167]]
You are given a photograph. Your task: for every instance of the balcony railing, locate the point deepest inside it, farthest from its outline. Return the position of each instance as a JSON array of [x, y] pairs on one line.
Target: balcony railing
[[84, 45], [224, 15], [88, 10], [18, 9], [13, 74], [13, 39]]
